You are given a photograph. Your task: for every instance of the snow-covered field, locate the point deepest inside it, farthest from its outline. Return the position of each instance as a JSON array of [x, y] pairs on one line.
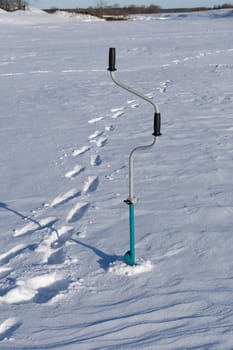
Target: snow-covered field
[[66, 132]]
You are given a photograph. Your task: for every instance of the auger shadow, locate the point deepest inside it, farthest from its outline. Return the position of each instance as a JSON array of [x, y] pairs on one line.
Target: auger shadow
[[29, 219], [105, 259], [24, 217]]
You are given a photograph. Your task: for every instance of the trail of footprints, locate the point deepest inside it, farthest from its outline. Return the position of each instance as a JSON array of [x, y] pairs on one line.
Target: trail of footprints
[[51, 286]]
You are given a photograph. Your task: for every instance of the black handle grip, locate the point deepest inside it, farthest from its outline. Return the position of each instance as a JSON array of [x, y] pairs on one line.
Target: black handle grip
[[112, 59], [157, 124]]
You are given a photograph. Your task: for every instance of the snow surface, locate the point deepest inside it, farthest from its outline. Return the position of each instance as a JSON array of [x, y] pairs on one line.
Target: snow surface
[[66, 132]]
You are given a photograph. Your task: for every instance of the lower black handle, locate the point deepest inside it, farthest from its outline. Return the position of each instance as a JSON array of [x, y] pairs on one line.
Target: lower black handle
[[157, 124]]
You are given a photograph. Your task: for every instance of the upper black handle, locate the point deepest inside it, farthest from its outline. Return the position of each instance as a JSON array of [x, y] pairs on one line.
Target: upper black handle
[[112, 59]]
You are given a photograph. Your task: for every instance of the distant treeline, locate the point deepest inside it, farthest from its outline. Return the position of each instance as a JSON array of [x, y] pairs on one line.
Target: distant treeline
[[117, 12], [108, 11], [13, 5]]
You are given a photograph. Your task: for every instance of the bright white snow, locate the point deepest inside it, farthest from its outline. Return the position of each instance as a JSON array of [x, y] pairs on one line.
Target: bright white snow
[[66, 132]]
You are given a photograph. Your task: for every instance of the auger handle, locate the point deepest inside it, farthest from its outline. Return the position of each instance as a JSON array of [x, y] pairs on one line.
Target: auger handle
[[157, 124], [112, 59], [112, 68]]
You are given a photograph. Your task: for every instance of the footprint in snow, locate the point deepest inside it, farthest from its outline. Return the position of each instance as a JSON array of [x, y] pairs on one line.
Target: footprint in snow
[[95, 160], [50, 246], [74, 172], [6, 257], [79, 151], [64, 234], [53, 290], [133, 103], [56, 257], [149, 95], [11, 254], [65, 197], [96, 134], [117, 112], [8, 327], [117, 115], [164, 85], [39, 289], [95, 120], [77, 212], [91, 184], [114, 172], [4, 271], [101, 141], [109, 127], [119, 109]]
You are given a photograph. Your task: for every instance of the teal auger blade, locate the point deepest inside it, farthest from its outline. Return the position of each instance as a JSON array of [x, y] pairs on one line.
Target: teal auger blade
[[129, 259]]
